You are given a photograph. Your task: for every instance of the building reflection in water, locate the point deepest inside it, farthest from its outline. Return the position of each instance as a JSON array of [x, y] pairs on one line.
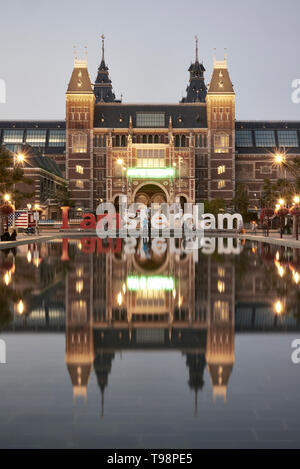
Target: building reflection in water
[[148, 295], [113, 295]]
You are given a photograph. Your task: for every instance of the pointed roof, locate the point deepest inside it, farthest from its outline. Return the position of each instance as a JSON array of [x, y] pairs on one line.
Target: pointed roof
[[196, 89], [220, 81], [103, 87], [80, 80]]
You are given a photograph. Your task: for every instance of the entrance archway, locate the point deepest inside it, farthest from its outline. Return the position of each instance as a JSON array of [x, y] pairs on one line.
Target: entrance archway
[[148, 194]]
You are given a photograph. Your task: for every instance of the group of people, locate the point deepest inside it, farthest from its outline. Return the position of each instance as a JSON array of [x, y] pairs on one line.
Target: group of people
[[9, 235]]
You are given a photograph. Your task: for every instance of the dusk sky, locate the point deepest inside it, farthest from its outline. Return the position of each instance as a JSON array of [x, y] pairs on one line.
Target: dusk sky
[[149, 47]]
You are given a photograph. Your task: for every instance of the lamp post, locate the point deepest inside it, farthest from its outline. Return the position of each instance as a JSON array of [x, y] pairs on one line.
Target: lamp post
[[281, 211], [19, 158], [280, 160], [295, 212], [36, 208]]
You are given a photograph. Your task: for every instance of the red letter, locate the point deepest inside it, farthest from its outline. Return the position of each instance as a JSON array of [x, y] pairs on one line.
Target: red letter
[[88, 221], [65, 218]]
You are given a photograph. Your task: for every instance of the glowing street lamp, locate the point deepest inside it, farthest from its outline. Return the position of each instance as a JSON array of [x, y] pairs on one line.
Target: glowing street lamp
[[20, 307], [278, 307], [282, 212], [279, 158], [20, 158], [6, 197], [297, 199]]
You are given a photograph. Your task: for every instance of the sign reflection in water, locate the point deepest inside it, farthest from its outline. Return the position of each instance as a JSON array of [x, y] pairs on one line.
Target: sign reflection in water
[[110, 296]]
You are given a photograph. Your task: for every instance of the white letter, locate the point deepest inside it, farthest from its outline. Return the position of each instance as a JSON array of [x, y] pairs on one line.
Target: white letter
[[2, 351], [296, 94], [296, 354]]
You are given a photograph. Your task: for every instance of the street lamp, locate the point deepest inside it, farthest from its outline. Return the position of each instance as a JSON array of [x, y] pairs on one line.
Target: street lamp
[[19, 158], [36, 208], [6, 197], [281, 211], [278, 307], [295, 212], [297, 199], [280, 160]]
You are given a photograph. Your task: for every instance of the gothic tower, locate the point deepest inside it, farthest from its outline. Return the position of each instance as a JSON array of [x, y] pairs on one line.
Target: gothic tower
[[79, 321], [220, 101], [220, 355], [196, 89], [80, 101], [103, 87]]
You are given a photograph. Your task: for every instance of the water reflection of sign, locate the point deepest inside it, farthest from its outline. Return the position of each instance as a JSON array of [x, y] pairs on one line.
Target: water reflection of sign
[[135, 283]]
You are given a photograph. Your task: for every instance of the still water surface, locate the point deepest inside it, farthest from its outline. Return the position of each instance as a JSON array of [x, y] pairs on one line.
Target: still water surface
[[149, 345]]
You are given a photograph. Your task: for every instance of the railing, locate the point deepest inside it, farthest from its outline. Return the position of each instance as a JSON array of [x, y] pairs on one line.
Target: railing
[[59, 221]]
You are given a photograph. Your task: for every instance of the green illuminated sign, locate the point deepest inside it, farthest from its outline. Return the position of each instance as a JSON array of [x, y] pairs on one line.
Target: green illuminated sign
[[150, 283], [150, 172]]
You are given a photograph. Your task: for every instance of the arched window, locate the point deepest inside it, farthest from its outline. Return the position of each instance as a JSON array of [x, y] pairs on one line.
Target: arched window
[[183, 140], [117, 140], [177, 141], [150, 138], [144, 138], [123, 144], [155, 138]]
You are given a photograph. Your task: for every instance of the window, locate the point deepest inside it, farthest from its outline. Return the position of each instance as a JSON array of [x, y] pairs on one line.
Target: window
[[150, 158], [78, 311], [57, 138], [265, 138], [265, 170], [221, 169], [221, 311], [221, 143], [221, 184], [215, 113], [150, 119], [243, 138], [79, 184], [36, 137], [287, 138], [221, 272], [79, 169], [13, 136], [79, 143]]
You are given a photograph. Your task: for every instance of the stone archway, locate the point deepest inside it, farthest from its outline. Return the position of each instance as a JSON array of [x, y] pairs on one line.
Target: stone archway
[[150, 193]]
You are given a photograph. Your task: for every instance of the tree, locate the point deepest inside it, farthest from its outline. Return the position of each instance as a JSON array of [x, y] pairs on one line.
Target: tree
[[269, 194], [63, 196], [10, 176], [214, 206], [241, 199]]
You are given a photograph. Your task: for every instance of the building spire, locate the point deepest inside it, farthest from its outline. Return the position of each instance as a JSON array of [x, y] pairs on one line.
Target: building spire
[[102, 37], [197, 59], [103, 87], [196, 90]]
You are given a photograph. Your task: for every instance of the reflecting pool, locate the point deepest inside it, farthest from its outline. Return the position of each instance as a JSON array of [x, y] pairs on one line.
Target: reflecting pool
[[149, 344]]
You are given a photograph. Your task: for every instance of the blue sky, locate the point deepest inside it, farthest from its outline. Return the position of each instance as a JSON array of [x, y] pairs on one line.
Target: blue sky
[[149, 47]]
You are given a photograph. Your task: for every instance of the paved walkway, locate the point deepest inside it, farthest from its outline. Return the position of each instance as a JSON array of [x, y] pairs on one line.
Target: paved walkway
[[273, 238]]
